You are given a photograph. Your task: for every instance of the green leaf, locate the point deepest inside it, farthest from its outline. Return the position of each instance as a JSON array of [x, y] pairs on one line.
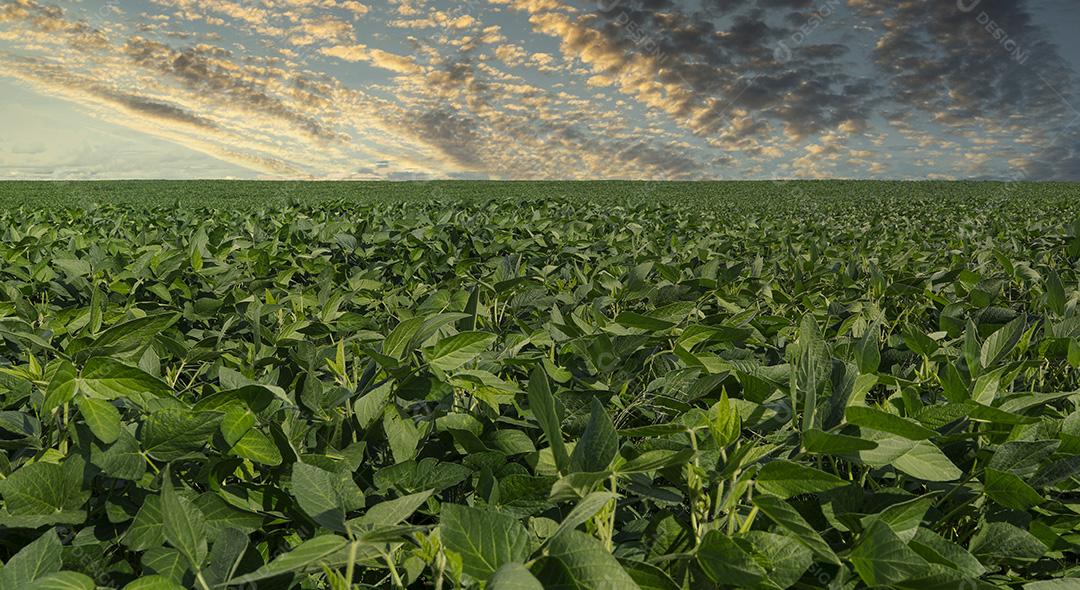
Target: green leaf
[[123, 459], [867, 353], [257, 447], [221, 516], [585, 509], [1058, 584], [236, 422], [575, 560], [148, 528], [184, 524], [320, 494], [812, 366], [62, 387], [173, 433], [63, 581], [1055, 293], [34, 561], [369, 407], [392, 512], [101, 416], [134, 333], [642, 322], [789, 519], [598, 443], [819, 441], [872, 418], [450, 353], [399, 342], [45, 489], [920, 459], [1009, 490], [484, 539], [724, 421], [654, 460], [542, 404], [1001, 342], [153, 582], [881, 558], [935, 549], [903, 518], [785, 479], [106, 378], [309, 555], [513, 576], [1002, 541], [725, 562]]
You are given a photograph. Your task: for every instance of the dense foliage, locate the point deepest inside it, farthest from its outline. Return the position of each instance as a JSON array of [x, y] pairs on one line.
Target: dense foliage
[[868, 387]]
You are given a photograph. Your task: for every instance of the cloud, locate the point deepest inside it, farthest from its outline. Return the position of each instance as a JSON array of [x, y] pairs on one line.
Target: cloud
[[632, 89], [376, 57]]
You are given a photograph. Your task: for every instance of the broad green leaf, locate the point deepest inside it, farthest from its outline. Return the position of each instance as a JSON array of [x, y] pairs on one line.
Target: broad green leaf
[[785, 479], [153, 582], [819, 441], [148, 528], [101, 416], [1057, 584], [398, 343], [236, 422], [811, 360], [920, 459], [484, 539], [542, 404], [878, 420], [654, 460], [45, 489], [576, 560], [725, 562], [173, 433], [450, 353], [391, 512], [598, 443], [513, 576], [1001, 541], [1001, 343], [783, 558], [136, 332], [221, 516], [642, 322], [309, 555], [32, 562], [934, 548], [724, 421], [585, 509], [65, 580], [882, 558], [123, 459], [789, 519], [320, 494], [1009, 490], [369, 407], [62, 387], [107, 379], [257, 447], [902, 518], [184, 524]]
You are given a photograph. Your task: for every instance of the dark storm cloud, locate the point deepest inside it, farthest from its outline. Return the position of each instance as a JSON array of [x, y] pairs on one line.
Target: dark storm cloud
[[760, 62], [957, 63], [968, 60]]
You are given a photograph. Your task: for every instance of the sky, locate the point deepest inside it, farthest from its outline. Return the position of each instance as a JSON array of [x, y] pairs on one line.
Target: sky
[[540, 89]]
